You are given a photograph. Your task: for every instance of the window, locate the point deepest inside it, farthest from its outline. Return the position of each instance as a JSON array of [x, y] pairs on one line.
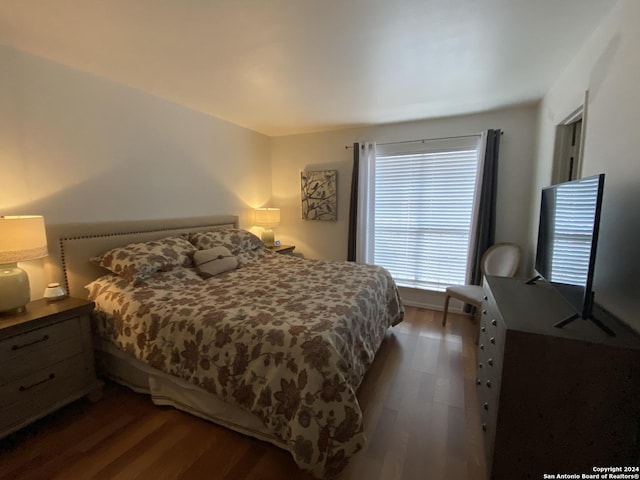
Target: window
[[423, 207]]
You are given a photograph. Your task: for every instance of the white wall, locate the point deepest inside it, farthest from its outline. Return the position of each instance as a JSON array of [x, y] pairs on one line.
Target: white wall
[[608, 66], [290, 155], [75, 147]]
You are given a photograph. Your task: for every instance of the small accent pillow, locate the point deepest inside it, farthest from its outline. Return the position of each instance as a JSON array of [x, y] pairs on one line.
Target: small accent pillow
[[237, 241], [213, 261], [138, 261]]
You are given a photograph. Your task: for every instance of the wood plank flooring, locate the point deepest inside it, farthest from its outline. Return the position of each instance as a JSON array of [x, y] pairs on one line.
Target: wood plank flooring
[[420, 410]]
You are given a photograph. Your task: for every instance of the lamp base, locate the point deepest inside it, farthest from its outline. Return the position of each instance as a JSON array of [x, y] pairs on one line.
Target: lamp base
[[268, 238], [14, 288]]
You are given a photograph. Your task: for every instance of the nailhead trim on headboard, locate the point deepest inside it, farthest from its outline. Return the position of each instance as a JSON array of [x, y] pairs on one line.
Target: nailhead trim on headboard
[[61, 245]]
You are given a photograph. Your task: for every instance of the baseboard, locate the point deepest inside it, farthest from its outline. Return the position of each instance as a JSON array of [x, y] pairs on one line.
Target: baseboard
[[429, 300], [431, 306]]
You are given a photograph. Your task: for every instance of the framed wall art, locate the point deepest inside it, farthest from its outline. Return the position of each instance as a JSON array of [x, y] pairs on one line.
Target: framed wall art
[[319, 195]]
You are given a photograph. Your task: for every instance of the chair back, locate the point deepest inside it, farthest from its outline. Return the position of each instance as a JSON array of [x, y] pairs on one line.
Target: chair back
[[501, 260]]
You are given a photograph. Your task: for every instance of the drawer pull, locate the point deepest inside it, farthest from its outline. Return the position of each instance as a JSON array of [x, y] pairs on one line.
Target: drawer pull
[[481, 346], [484, 312], [18, 347], [480, 365], [490, 362], [29, 387], [478, 382], [484, 427], [494, 322], [488, 383], [486, 406], [484, 329], [485, 298], [493, 340]]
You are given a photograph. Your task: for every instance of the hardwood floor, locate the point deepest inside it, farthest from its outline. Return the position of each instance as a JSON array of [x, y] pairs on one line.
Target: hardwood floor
[[420, 410]]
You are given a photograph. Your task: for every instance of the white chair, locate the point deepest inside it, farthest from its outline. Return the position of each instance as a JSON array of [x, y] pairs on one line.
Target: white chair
[[501, 260]]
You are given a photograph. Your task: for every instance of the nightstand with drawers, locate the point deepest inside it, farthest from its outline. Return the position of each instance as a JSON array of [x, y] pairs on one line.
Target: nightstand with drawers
[[46, 360]]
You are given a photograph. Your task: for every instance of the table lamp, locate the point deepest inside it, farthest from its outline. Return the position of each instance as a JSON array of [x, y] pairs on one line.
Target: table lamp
[[22, 238], [267, 218]]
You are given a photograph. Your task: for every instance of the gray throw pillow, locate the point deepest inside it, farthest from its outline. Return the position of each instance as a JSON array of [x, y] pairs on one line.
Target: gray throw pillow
[[213, 261]]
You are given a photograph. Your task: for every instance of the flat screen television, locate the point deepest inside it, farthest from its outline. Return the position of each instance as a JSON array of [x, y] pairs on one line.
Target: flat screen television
[[567, 243]]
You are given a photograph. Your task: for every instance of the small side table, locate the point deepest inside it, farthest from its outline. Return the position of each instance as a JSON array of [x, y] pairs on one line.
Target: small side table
[[47, 360], [283, 249]]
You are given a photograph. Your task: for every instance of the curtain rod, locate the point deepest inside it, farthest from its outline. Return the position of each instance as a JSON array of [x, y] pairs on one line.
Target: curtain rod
[[426, 139]]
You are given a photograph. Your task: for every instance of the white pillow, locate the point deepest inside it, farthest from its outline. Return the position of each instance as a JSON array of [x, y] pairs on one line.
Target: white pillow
[[213, 261]]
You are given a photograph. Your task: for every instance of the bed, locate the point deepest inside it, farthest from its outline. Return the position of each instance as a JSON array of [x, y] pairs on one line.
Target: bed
[[274, 347]]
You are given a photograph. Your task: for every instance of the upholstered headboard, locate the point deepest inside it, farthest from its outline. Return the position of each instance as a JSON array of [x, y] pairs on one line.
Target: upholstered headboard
[[72, 245]]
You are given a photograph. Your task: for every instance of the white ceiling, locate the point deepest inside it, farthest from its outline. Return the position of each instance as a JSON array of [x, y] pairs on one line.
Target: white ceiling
[[293, 66]]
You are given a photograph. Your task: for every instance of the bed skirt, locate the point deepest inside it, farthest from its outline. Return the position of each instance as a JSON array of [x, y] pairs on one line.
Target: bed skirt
[[167, 390]]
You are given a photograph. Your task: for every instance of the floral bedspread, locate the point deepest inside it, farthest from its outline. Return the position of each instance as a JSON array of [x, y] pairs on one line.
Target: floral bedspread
[[285, 338]]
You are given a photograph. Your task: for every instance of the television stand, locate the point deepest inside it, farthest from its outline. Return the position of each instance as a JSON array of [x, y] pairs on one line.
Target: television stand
[[570, 389], [533, 280], [575, 316]]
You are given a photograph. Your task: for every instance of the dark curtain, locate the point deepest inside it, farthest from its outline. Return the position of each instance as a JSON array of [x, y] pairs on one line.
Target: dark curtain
[[486, 230], [353, 207]]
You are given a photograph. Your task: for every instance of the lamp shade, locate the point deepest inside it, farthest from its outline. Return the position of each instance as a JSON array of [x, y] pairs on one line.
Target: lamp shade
[[266, 217], [22, 238]]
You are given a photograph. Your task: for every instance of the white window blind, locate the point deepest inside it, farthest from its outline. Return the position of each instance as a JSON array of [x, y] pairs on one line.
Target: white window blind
[[573, 232], [423, 210]]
